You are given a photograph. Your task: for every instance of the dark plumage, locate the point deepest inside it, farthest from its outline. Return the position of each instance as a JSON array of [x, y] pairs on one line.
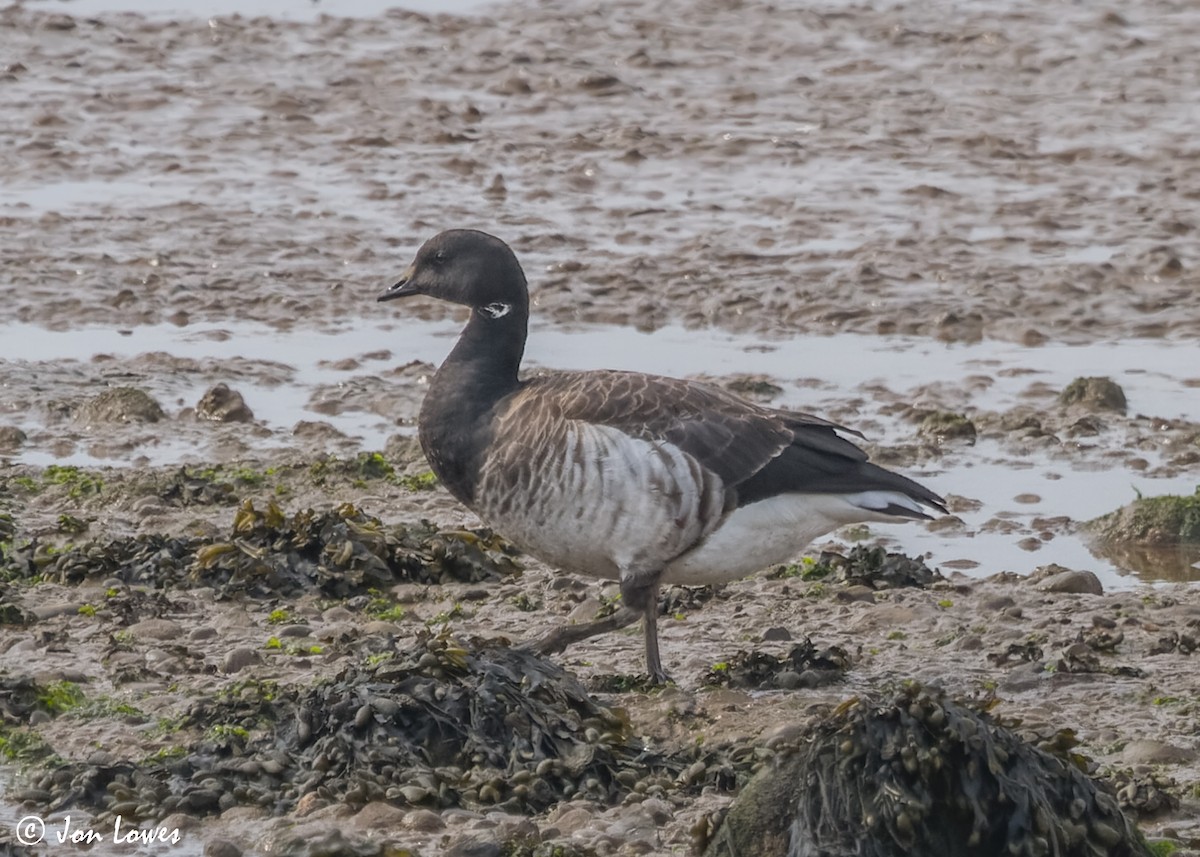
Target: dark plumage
[[634, 477]]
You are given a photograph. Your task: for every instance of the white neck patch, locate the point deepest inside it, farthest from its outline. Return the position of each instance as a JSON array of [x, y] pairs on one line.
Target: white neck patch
[[496, 310]]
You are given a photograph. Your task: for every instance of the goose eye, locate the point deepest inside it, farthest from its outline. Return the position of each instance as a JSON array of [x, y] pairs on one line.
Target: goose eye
[[439, 257]]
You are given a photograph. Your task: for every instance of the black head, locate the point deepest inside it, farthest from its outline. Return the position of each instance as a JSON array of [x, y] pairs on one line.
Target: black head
[[466, 267]]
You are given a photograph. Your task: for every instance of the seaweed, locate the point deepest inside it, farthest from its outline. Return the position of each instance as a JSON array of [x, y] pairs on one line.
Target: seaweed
[[874, 567], [1159, 521], [920, 774], [340, 552], [803, 666]]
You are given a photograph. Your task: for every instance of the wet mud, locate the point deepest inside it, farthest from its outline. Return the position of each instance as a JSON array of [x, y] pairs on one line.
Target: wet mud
[[931, 223]]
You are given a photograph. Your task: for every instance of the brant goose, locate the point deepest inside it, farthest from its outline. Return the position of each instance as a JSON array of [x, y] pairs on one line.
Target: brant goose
[[632, 477]]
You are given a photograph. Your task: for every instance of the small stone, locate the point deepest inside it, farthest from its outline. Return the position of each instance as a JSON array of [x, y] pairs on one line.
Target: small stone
[[316, 430], [299, 630], [1073, 582], [776, 634], [221, 848], [585, 611], [99, 758], [996, 603], [238, 659], [119, 405], [204, 632], [309, 803], [155, 629], [1147, 751], [1096, 394], [969, 643], [944, 425], [223, 405], [420, 820], [11, 437], [473, 848], [337, 614], [788, 680], [857, 592], [56, 608], [378, 627], [59, 22], [573, 820], [378, 815]]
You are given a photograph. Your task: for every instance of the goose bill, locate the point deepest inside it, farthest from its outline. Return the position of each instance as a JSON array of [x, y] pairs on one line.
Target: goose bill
[[401, 289]]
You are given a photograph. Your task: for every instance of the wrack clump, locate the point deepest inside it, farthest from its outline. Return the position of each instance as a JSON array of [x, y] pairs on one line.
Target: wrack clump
[[877, 568], [804, 666], [920, 774], [866, 566], [432, 724], [339, 553]]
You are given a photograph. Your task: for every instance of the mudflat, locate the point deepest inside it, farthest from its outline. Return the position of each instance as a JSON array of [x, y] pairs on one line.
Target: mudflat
[[923, 222]]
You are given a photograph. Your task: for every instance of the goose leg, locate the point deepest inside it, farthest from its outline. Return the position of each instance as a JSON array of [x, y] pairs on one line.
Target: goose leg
[[565, 635], [639, 601], [641, 596]]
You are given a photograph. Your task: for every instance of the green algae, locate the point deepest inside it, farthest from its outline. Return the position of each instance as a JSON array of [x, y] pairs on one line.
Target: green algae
[[1152, 521]]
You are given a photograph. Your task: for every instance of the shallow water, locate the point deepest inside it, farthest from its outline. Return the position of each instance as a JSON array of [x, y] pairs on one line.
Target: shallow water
[[1158, 375], [862, 378]]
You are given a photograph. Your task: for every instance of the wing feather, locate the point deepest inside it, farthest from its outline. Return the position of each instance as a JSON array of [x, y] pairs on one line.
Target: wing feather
[[727, 435]]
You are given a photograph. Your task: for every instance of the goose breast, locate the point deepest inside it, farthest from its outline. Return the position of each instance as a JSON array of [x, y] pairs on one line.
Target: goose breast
[[593, 499]]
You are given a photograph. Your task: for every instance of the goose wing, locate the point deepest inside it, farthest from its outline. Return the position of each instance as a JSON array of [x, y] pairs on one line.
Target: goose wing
[[724, 433]]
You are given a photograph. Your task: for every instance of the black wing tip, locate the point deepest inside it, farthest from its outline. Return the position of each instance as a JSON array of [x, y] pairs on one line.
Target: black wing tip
[[898, 511]]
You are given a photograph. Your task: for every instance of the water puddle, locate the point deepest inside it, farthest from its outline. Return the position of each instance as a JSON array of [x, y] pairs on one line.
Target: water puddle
[[281, 371]]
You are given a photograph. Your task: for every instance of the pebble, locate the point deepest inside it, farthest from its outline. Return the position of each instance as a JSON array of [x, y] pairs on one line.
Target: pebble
[[635, 826], [573, 820], [337, 614], [11, 437], [380, 628], [420, 820], [996, 603], [473, 848], [309, 803], [222, 404], [969, 643], [788, 680], [1147, 751], [221, 848], [1073, 582], [56, 608], [379, 815], [238, 659], [776, 634], [156, 629], [180, 821], [118, 405], [294, 631], [204, 632], [585, 610], [857, 592]]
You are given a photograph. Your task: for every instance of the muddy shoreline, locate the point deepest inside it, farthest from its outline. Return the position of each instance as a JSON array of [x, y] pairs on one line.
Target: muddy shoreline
[[935, 201]]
